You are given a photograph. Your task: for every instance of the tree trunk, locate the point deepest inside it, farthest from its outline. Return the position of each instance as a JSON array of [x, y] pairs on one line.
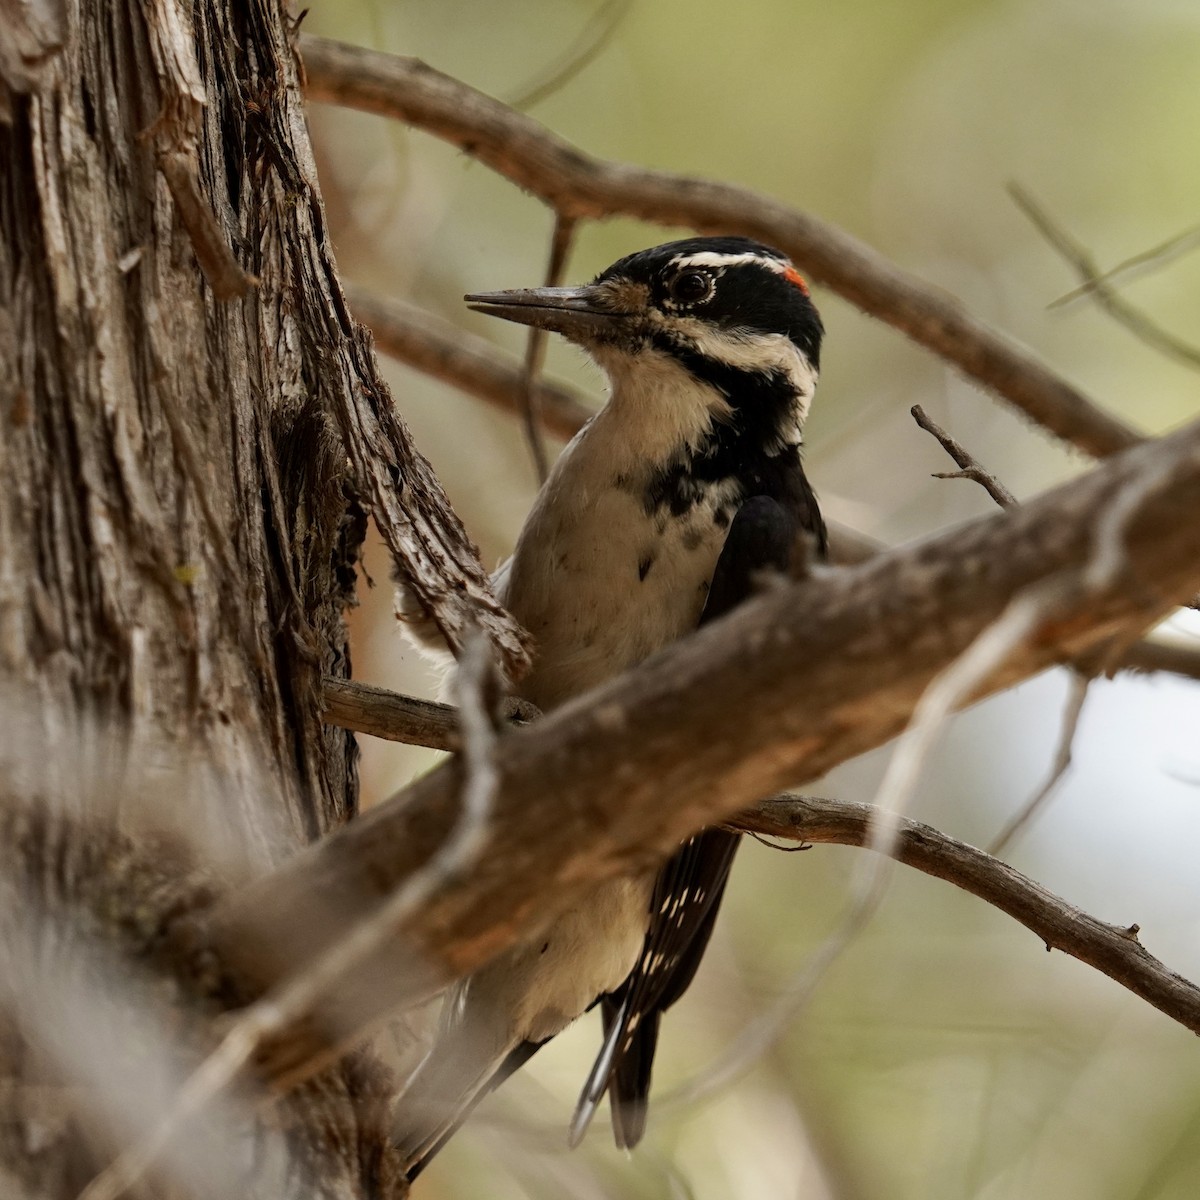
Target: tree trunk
[[178, 536]]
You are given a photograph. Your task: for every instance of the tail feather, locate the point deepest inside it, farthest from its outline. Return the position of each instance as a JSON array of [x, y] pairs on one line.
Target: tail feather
[[614, 1011], [629, 1090], [429, 1112], [683, 909]]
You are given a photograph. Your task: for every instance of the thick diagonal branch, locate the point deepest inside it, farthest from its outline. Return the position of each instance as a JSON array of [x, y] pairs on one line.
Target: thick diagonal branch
[[578, 185], [795, 682]]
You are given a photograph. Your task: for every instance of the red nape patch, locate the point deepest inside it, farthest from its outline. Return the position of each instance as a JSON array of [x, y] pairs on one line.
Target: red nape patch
[[793, 276]]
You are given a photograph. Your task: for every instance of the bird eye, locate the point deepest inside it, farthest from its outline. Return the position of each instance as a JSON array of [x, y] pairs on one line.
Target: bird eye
[[691, 287]]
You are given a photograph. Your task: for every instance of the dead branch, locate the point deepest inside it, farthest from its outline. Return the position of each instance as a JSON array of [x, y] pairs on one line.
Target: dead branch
[[581, 186], [968, 466], [611, 782], [946, 693], [384, 714], [381, 713], [1111, 949]]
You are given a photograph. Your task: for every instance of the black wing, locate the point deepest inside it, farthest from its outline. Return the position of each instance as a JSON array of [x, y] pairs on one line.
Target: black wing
[[688, 890]]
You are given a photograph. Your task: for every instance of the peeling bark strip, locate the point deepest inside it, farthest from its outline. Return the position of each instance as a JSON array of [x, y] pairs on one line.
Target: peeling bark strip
[[817, 671]]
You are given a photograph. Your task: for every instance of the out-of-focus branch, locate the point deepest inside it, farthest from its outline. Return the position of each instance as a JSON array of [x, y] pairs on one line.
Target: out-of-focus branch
[[816, 671], [1072, 711], [591, 41], [580, 186], [1147, 656], [1111, 949], [477, 681], [1141, 263], [444, 350], [535, 349], [1100, 290]]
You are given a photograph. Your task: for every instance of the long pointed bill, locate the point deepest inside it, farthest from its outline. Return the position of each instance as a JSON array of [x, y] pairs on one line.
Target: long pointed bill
[[574, 312]]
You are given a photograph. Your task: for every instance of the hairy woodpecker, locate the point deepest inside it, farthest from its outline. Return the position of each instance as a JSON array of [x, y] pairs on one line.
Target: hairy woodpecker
[[656, 518]]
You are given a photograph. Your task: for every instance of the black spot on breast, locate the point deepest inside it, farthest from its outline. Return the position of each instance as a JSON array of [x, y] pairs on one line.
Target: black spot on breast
[[692, 538], [545, 947], [721, 518], [645, 565]]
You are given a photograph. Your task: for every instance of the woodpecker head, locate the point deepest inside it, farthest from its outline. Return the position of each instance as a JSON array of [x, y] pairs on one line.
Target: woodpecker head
[[714, 305], [712, 346]]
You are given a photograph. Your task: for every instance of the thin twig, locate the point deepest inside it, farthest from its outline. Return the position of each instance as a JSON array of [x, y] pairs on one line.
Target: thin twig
[[1111, 520], [535, 350], [1137, 265], [593, 38], [1080, 684], [1124, 313], [301, 993], [575, 183], [969, 466]]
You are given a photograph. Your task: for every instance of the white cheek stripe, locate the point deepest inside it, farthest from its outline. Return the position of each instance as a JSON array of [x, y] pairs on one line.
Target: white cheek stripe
[[746, 349], [750, 350]]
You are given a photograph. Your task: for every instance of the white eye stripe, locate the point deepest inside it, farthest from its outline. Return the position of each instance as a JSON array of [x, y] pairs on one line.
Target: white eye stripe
[[711, 258]]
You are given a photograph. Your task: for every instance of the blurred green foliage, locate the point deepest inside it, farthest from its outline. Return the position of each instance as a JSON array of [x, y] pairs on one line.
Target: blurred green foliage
[[946, 1055]]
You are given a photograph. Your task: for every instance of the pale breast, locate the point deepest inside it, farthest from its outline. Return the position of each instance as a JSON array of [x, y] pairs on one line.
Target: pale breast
[[602, 585]]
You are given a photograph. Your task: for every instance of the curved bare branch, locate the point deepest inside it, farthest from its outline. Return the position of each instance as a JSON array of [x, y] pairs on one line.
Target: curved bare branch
[[578, 185]]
